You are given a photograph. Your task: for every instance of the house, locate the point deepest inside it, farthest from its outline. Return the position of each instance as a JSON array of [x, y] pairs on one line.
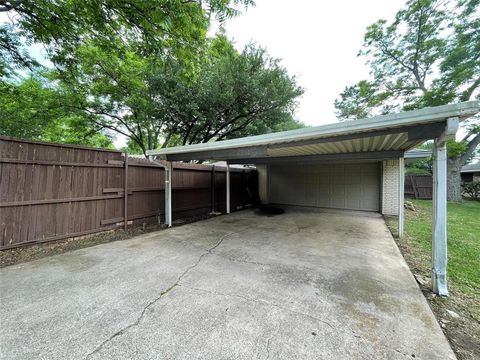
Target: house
[[355, 165], [471, 172]]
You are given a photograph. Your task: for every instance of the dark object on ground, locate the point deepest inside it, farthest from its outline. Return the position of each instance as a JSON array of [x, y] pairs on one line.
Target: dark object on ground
[[267, 209], [272, 210]]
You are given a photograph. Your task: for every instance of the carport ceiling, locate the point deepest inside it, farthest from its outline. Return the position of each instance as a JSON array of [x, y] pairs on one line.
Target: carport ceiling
[[381, 137]]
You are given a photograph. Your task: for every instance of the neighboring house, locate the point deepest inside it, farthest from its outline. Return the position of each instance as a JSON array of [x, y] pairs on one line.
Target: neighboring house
[[471, 172]]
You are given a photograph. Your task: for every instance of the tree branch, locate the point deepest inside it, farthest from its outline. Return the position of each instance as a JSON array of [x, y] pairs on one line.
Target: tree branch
[[472, 145]]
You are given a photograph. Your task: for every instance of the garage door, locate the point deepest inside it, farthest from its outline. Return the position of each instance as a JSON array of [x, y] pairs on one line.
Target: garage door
[[340, 186]]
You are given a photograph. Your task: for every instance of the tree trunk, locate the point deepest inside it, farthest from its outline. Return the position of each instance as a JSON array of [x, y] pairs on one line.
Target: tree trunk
[[454, 179]]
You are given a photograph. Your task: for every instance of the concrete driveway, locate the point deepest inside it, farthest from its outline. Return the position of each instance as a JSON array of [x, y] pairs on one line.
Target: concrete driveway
[[303, 285]]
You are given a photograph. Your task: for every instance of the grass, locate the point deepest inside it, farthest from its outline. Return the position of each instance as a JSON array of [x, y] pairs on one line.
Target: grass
[[463, 226], [463, 272]]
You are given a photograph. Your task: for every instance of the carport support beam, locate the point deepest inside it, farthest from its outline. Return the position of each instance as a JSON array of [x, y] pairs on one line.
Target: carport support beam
[[439, 231], [168, 193], [401, 197], [228, 189], [439, 204]]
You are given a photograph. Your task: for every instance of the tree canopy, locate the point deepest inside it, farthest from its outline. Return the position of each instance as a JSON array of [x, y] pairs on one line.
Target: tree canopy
[[145, 70], [33, 109], [429, 55], [154, 26], [157, 102]]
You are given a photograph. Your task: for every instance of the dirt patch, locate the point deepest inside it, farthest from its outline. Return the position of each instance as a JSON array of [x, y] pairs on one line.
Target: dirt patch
[[33, 252], [458, 314]]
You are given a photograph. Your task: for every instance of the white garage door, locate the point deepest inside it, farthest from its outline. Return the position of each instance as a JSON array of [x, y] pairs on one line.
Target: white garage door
[[340, 186]]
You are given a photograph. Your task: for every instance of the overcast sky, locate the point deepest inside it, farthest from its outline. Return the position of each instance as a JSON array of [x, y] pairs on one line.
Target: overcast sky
[[318, 41]]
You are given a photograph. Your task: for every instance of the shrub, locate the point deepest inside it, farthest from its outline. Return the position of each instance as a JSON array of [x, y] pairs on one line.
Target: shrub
[[472, 189]]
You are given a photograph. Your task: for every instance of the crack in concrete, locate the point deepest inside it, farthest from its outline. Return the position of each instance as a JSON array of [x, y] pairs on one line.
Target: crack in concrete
[[262, 301], [245, 261], [135, 323], [402, 353], [269, 341], [152, 302]]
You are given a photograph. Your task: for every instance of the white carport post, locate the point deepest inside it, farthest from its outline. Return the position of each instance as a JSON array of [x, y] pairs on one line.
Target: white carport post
[[439, 240], [168, 193], [439, 230], [227, 174], [401, 196]]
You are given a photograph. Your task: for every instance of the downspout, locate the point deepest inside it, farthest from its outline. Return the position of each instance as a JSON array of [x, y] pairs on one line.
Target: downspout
[[168, 169]]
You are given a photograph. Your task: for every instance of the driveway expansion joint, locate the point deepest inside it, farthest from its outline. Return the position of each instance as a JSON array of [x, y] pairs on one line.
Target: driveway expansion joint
[[152, 302]]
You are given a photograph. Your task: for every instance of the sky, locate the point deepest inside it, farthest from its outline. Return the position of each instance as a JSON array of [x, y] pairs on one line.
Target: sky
[[318, 42]]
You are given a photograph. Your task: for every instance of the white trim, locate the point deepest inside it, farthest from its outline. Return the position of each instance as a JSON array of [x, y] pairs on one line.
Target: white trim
[[439, 228], [168, 193], [401, 196], [228, 189]]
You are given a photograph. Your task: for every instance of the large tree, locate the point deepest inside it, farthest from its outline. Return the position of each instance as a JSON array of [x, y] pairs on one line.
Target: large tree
[[428, 56], [34, 108], [155, 101], [116, 43]]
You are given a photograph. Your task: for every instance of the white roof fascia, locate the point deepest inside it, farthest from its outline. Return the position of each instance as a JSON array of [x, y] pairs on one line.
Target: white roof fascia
[[407, 118], [417, 154]]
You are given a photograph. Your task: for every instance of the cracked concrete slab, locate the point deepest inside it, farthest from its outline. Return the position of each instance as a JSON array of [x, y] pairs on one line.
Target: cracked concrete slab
[[302, 285]]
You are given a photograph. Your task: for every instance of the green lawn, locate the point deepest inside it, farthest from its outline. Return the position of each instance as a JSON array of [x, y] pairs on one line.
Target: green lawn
[[463, 240], [463, 245]]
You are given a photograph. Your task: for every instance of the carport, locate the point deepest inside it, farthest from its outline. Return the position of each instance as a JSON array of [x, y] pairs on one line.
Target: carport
[[355, 165]]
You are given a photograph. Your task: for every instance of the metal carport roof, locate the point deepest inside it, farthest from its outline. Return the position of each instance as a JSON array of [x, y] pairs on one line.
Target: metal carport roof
[[385, 136]]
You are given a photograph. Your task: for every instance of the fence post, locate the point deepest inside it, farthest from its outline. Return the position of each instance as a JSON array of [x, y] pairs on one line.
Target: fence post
[[125, 196]]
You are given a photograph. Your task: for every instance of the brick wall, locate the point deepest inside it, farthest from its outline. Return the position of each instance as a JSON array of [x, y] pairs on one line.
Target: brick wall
[[390, 180]]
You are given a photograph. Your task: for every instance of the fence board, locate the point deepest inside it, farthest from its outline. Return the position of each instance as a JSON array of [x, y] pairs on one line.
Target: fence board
[[55, 191], [419, 187]]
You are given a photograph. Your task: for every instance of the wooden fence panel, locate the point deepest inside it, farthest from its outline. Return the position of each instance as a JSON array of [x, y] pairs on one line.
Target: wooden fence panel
[[55, 191], [419, 187]]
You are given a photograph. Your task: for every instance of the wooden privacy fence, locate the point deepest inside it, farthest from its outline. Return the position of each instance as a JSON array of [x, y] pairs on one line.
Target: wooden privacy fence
[[419, 187], [55, 191]]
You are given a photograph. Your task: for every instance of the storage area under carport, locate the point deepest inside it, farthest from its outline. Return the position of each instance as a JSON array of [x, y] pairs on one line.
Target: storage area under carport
[[350, 165]]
